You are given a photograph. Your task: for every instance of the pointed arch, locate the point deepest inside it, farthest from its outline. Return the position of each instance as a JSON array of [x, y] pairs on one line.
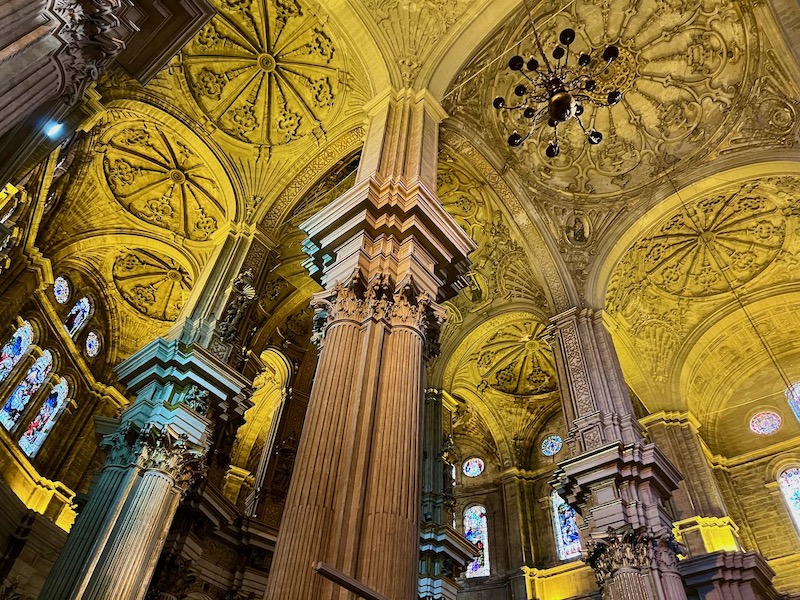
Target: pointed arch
[[21, 396], [15, 349]]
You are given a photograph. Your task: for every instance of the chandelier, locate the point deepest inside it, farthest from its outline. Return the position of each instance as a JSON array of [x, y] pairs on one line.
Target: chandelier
[[556, 92]]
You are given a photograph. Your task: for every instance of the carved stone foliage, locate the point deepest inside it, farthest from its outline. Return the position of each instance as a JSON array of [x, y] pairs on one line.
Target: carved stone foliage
[[156, 176], [152, 283], [613, 552], [682, 69], [266, 72], [414, 28], [517, 360], [740, 237]]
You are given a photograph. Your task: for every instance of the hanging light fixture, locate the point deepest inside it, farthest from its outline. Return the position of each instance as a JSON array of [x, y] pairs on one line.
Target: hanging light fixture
[[555, 91]]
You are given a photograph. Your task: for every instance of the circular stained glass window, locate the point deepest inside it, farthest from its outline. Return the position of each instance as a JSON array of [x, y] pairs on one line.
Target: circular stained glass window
[[61, 290], [765, 422], [92, 344], [551, 445], [473, 467]]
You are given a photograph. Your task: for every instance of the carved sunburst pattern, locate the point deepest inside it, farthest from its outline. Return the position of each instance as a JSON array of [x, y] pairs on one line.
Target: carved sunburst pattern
[[152, 283], [722, 242], [264, 71], [517, 360], [160, 180], [682, 68]]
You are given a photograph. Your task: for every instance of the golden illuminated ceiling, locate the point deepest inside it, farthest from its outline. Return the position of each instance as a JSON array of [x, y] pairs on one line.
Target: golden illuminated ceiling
[[259, 122]]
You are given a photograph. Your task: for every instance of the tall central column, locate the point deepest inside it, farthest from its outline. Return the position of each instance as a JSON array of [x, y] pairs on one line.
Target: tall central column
[[386, 252]]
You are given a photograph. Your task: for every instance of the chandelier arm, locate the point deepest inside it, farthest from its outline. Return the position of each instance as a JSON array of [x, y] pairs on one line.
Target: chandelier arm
[[538, 39]]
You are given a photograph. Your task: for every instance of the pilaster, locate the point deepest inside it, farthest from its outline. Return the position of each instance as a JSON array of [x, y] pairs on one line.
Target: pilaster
[[158, 449], [386, 252], [618, 483]]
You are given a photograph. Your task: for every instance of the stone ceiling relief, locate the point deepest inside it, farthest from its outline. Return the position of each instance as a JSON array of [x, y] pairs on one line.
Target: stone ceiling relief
[[266, 72], [412, 30], [152, 283], [740, 236], [161, 180]]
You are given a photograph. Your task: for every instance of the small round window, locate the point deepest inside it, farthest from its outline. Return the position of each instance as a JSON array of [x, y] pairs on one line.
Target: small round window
[[473, 467], [61, 290], [551, 445], [92, 344], [765, 422]]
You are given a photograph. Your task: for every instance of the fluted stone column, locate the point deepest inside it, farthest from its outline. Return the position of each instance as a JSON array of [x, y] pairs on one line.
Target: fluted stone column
[[386, 252], [155, 452], [618, 483]]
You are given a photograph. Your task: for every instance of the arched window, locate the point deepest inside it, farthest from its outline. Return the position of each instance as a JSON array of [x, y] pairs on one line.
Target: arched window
[[78, 315], [61, 290], [14, 349], [22, 394], [43, 422], [789, 482], [565, 524], [476, 530]]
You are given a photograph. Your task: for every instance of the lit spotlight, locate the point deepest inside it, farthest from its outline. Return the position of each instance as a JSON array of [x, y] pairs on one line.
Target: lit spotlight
[[53, 130]]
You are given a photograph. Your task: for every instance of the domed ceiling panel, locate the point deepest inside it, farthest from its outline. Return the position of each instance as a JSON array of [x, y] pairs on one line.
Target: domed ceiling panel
[[265, 72], [152, 283], [681, 69], [158, 178], [726, 245]]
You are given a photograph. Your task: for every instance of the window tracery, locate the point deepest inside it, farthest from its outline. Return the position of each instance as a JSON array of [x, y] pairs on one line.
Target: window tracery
[[15, 348], [765, 422], [565, 524], [476, 530], [789, 483], [78, 316], [23, 393], [43, 422]]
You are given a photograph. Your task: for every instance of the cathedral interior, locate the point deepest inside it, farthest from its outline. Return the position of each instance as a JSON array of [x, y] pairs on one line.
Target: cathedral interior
[[288, 312]]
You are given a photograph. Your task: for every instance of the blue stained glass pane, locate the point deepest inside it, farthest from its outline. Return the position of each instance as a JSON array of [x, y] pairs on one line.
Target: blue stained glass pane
[[22, 394], [765, 422], [789, 482], [77, 316], [568, 540], [551, 445], [473, 467], [14, 349], [61, 290], [43, 422], [476, 531], [92, 344], [793, 397]]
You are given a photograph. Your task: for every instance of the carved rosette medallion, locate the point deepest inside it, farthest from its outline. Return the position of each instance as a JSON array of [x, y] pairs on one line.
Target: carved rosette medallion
[[152, 283], [151, 172], [264, 71], [682, 69], [518, 360]]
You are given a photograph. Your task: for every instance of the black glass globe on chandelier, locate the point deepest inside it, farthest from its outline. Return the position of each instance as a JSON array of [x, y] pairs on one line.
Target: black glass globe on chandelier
[[556, 91]]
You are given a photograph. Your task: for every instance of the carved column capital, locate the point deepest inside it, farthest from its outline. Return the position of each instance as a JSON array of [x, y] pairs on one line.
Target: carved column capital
[[614, 551]]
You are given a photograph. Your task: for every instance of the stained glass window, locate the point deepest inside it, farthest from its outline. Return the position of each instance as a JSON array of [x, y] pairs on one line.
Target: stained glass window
[[92, 344], [43, 422], [551, 445], [473, 467], [789, 482], [793, 396], [22, 394], [476, 530], [568, 540], [61, 290], [78, 315], [765, 422], [15, 348]]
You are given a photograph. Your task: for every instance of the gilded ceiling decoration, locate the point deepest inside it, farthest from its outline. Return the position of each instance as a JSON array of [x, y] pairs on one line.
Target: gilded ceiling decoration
[[413, 29], [159, 179], [265, 72], [517, 360], [681, 69], [741, 237], [152, 283]]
